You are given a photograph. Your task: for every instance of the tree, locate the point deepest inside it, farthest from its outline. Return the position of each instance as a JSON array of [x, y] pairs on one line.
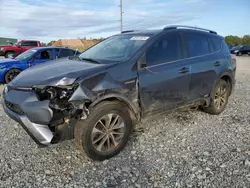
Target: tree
[[246, 40], [233, 40], [50, 43], [43, 44]]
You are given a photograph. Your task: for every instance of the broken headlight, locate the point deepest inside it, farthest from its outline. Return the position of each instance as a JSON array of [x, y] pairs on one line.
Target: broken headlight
[[66, 81]]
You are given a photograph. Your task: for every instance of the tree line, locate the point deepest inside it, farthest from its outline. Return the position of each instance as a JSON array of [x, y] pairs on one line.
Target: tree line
[[235, 40]]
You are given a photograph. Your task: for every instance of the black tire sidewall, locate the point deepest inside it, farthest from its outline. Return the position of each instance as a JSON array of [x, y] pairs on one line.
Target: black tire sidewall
[[84, 129], [6, 55], [5, 76]]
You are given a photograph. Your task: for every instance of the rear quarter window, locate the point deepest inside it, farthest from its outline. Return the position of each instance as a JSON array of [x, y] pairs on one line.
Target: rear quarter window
[[216, 43]]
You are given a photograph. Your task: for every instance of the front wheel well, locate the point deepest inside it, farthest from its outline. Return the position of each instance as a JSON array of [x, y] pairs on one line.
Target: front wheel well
[[9, 51], [229, 81], [134, 116]]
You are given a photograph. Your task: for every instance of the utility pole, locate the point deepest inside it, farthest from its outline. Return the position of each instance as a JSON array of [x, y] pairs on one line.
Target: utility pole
[[121, 13]]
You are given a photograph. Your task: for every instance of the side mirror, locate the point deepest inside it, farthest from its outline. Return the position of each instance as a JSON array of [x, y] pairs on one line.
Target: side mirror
[[19, 45], [141, 63], [143, 66]]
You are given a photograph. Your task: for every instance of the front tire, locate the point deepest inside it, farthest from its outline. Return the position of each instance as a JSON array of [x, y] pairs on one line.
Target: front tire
[[11, 74], [220, 95], [239, 54], [105, 132]]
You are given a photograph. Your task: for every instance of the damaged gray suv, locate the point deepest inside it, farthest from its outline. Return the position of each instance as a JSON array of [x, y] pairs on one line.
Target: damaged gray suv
[[97, 97]]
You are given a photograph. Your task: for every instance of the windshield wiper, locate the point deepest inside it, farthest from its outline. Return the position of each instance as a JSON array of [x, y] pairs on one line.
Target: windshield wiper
[[90, 59], [74, 57]]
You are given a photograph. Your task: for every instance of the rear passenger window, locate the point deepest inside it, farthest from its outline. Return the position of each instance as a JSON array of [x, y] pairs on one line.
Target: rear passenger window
[[216, 43], [197, 45], [167, 48], [65, 53]]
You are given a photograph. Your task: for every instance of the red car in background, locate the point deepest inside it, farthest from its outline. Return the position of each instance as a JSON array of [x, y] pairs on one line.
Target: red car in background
[[10, 51]]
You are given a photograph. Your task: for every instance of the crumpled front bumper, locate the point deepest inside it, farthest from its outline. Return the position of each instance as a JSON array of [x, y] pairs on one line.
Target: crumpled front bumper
[[33, 115]]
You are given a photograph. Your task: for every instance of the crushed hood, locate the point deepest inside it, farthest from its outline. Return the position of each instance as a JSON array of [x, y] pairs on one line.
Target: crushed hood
[[51, 72]]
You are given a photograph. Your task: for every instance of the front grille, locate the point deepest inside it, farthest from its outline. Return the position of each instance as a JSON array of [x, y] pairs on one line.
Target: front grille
[[14, 107]]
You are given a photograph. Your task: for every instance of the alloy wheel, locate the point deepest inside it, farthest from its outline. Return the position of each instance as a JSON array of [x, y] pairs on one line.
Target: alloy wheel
[[220, 97], [108, 132], [11, 75]]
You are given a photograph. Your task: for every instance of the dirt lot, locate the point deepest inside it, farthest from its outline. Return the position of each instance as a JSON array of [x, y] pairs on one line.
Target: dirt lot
[[178, 149]]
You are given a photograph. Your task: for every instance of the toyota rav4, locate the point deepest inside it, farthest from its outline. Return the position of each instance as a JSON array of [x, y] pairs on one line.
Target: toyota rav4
[[98, 96]]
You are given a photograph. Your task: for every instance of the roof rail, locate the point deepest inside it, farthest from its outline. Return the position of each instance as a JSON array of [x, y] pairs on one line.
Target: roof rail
[[128, 31], [190, 27]]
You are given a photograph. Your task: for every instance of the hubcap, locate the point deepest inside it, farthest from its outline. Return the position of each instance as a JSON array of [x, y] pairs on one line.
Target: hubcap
[[108, 132], [220, 97]]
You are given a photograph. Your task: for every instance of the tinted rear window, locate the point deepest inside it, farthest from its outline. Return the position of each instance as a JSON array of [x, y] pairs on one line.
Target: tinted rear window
[[216, 43], [29, 43], [66, 53], [197, 45]]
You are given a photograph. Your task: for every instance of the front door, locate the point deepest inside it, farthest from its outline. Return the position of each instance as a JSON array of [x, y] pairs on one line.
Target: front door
[[164, 77], [41, 57]]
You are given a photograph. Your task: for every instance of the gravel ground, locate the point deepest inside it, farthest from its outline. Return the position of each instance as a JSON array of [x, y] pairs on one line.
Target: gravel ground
[[177, 149]]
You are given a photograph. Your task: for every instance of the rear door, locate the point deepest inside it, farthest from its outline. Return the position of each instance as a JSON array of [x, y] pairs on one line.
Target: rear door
[[164, 76], [65, 53], [204, 57]]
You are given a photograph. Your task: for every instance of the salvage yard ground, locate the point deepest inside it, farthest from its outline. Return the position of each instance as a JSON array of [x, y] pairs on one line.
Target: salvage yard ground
[[177, 149]]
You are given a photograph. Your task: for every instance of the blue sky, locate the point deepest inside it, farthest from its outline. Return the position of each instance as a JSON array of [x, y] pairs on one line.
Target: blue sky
[[51, 20]]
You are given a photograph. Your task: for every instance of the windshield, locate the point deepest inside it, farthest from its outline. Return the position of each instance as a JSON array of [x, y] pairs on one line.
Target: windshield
[[26, 54], [236, 47], [115, 48]]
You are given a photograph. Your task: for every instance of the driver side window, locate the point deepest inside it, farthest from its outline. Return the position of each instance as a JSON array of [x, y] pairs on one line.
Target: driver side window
[[167, 48], [44, 54]]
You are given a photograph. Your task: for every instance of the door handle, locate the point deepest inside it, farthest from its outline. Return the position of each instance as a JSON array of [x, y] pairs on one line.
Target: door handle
[[217, 64], [184, 70]]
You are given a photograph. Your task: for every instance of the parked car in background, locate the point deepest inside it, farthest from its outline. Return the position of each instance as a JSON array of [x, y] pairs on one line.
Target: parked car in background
[[10, 68], [230, 46], [11, 51], [240, 50], [98, 97]]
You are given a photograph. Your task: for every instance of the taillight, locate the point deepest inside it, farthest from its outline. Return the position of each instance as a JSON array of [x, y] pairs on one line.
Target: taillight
[[233, 60], [233, 56]]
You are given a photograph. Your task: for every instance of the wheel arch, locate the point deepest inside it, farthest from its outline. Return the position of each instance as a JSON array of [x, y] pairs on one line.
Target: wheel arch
[[133, 109], [7, 51], [229, 80]]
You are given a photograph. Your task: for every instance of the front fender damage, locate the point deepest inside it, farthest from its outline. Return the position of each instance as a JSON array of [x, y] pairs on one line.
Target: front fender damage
[[89, 93]]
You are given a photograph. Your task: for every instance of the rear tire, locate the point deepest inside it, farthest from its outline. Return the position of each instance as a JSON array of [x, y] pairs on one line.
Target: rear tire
[[9, 55], [11, 74], [220, 95], [99, 136]]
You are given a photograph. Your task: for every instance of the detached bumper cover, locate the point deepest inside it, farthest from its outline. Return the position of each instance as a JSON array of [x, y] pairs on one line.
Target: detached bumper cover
[[24, 108]]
